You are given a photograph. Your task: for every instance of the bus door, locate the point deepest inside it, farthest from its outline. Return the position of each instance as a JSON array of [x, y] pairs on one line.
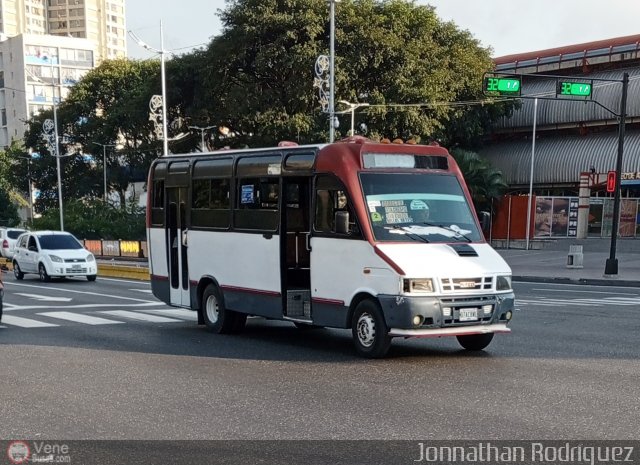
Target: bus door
[[176, 234], [295, 256]]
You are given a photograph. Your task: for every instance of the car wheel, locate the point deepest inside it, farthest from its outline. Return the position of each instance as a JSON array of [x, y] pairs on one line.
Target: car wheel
[[17, 272], [369, 330], [217, 318], [44, 276], [475, 341], [91, 277]]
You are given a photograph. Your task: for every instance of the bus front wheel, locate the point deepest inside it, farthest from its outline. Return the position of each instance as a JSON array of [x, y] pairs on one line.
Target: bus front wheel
[[369, 330], [475, 341], [217, 318]]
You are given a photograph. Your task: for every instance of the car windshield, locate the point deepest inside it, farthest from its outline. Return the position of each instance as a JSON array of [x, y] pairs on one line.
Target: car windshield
[[14, 233], [418, 207], [59, 242]]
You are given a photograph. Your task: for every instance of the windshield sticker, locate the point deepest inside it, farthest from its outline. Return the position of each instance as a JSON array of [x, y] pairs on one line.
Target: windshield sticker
[[418, 205], [274, 168], [246, 195], [376, 217]]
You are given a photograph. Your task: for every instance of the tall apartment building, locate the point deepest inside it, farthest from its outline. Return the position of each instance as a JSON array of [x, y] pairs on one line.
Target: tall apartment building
[[100, 21], [36, 70], [48, 45]]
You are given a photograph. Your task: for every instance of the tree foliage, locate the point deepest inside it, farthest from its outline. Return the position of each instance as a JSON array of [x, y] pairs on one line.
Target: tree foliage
[[483, 180], [95, 220], [421, 77]]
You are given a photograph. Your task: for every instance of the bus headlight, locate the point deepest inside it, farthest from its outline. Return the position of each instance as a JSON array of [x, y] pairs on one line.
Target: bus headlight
[[503, 283], [418, 285]]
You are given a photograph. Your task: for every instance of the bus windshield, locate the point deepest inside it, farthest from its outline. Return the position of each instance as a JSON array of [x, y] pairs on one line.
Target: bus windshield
[[418, 207]]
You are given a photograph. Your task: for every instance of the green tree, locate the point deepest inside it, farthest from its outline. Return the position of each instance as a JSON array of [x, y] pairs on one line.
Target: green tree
[[92, 219], [259, 72], [109, 105], [483, 180]]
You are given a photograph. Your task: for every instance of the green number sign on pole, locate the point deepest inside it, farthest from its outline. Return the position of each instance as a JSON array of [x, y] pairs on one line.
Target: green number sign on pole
[[574, 89], [502, 85]]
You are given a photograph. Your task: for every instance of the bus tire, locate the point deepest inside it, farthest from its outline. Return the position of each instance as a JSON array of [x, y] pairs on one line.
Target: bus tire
[[217, 318], [369, 330], [475, 341]]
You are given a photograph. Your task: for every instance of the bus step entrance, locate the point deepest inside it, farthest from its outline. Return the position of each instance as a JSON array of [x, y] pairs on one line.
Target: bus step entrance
[[298, 304]]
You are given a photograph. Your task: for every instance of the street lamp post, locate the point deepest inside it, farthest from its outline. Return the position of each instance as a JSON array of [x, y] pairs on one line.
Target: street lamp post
[[162, 52], [56, 143], [202, 131], [104, 165], [332, 69], [352, 108]]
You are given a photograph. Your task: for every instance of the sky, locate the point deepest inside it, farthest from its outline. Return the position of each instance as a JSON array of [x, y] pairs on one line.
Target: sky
[[508, 27]]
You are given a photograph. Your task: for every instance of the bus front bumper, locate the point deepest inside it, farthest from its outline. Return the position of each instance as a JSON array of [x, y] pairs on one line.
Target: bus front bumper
[[453, 331], [420, 316]]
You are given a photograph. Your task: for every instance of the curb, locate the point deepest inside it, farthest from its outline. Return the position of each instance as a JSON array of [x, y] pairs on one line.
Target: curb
[[614, 282], [108, 270], [140, 273]]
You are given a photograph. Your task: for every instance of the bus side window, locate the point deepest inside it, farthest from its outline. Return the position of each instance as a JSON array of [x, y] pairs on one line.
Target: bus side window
[[328, 202]]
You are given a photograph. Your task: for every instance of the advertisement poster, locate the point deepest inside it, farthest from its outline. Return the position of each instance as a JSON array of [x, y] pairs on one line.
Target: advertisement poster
[[628, 211], [607, 217], [573, 217], [543, 217], [560, 219]]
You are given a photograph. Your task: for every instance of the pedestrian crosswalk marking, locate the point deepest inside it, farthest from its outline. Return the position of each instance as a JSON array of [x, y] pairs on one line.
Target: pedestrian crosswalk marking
[[80, 318], [177, 313], [546, 302], [140, 316], [25, 322]]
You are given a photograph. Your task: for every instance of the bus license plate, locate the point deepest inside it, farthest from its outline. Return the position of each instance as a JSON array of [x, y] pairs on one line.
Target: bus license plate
[[468, 314]]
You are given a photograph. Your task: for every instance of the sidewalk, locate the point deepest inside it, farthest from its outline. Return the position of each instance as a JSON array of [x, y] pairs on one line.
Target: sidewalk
[[549, 264]]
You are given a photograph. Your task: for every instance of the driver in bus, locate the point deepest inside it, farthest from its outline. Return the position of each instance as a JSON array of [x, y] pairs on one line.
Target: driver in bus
[[419, 211]]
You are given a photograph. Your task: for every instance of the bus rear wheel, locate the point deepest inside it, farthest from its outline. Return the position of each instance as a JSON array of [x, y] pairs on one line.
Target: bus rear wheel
[[217, 318], [370, 333], [475, 341]]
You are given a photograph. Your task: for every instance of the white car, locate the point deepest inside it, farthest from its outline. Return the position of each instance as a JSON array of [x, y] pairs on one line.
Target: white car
[[52, 254], [8, 237]]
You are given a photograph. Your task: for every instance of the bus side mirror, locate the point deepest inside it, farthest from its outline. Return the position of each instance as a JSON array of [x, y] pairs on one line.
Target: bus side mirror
[[341, 222], [485, 220]]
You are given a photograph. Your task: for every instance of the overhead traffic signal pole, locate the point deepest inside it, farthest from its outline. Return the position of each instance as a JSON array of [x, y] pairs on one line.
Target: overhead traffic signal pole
[[569, 88]]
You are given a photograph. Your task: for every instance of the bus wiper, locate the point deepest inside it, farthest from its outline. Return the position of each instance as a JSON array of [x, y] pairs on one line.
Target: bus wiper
[[409, 234], [456, 230]]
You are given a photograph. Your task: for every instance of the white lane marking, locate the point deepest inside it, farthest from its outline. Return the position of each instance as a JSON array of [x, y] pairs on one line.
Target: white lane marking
[[45, 298], [39, 307], [183, 314], [602, 286], [140, 316], [585, 292], [145, 291], [11, 283], [24, 322], [80, 318]]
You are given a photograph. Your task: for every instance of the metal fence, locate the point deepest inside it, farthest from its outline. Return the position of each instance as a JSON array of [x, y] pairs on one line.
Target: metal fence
[[120, 248]]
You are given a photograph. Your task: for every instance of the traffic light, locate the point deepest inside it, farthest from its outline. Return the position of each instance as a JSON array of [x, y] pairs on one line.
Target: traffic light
[[611, 181]]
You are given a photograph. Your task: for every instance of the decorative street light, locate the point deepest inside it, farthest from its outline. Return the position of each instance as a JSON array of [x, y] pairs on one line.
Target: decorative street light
[[162, 52], [352, 108], [50, 129], [202, 131], [104, 165]]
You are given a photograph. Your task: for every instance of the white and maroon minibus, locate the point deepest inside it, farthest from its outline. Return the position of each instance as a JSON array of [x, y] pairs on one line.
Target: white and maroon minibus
[[379, 238]]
